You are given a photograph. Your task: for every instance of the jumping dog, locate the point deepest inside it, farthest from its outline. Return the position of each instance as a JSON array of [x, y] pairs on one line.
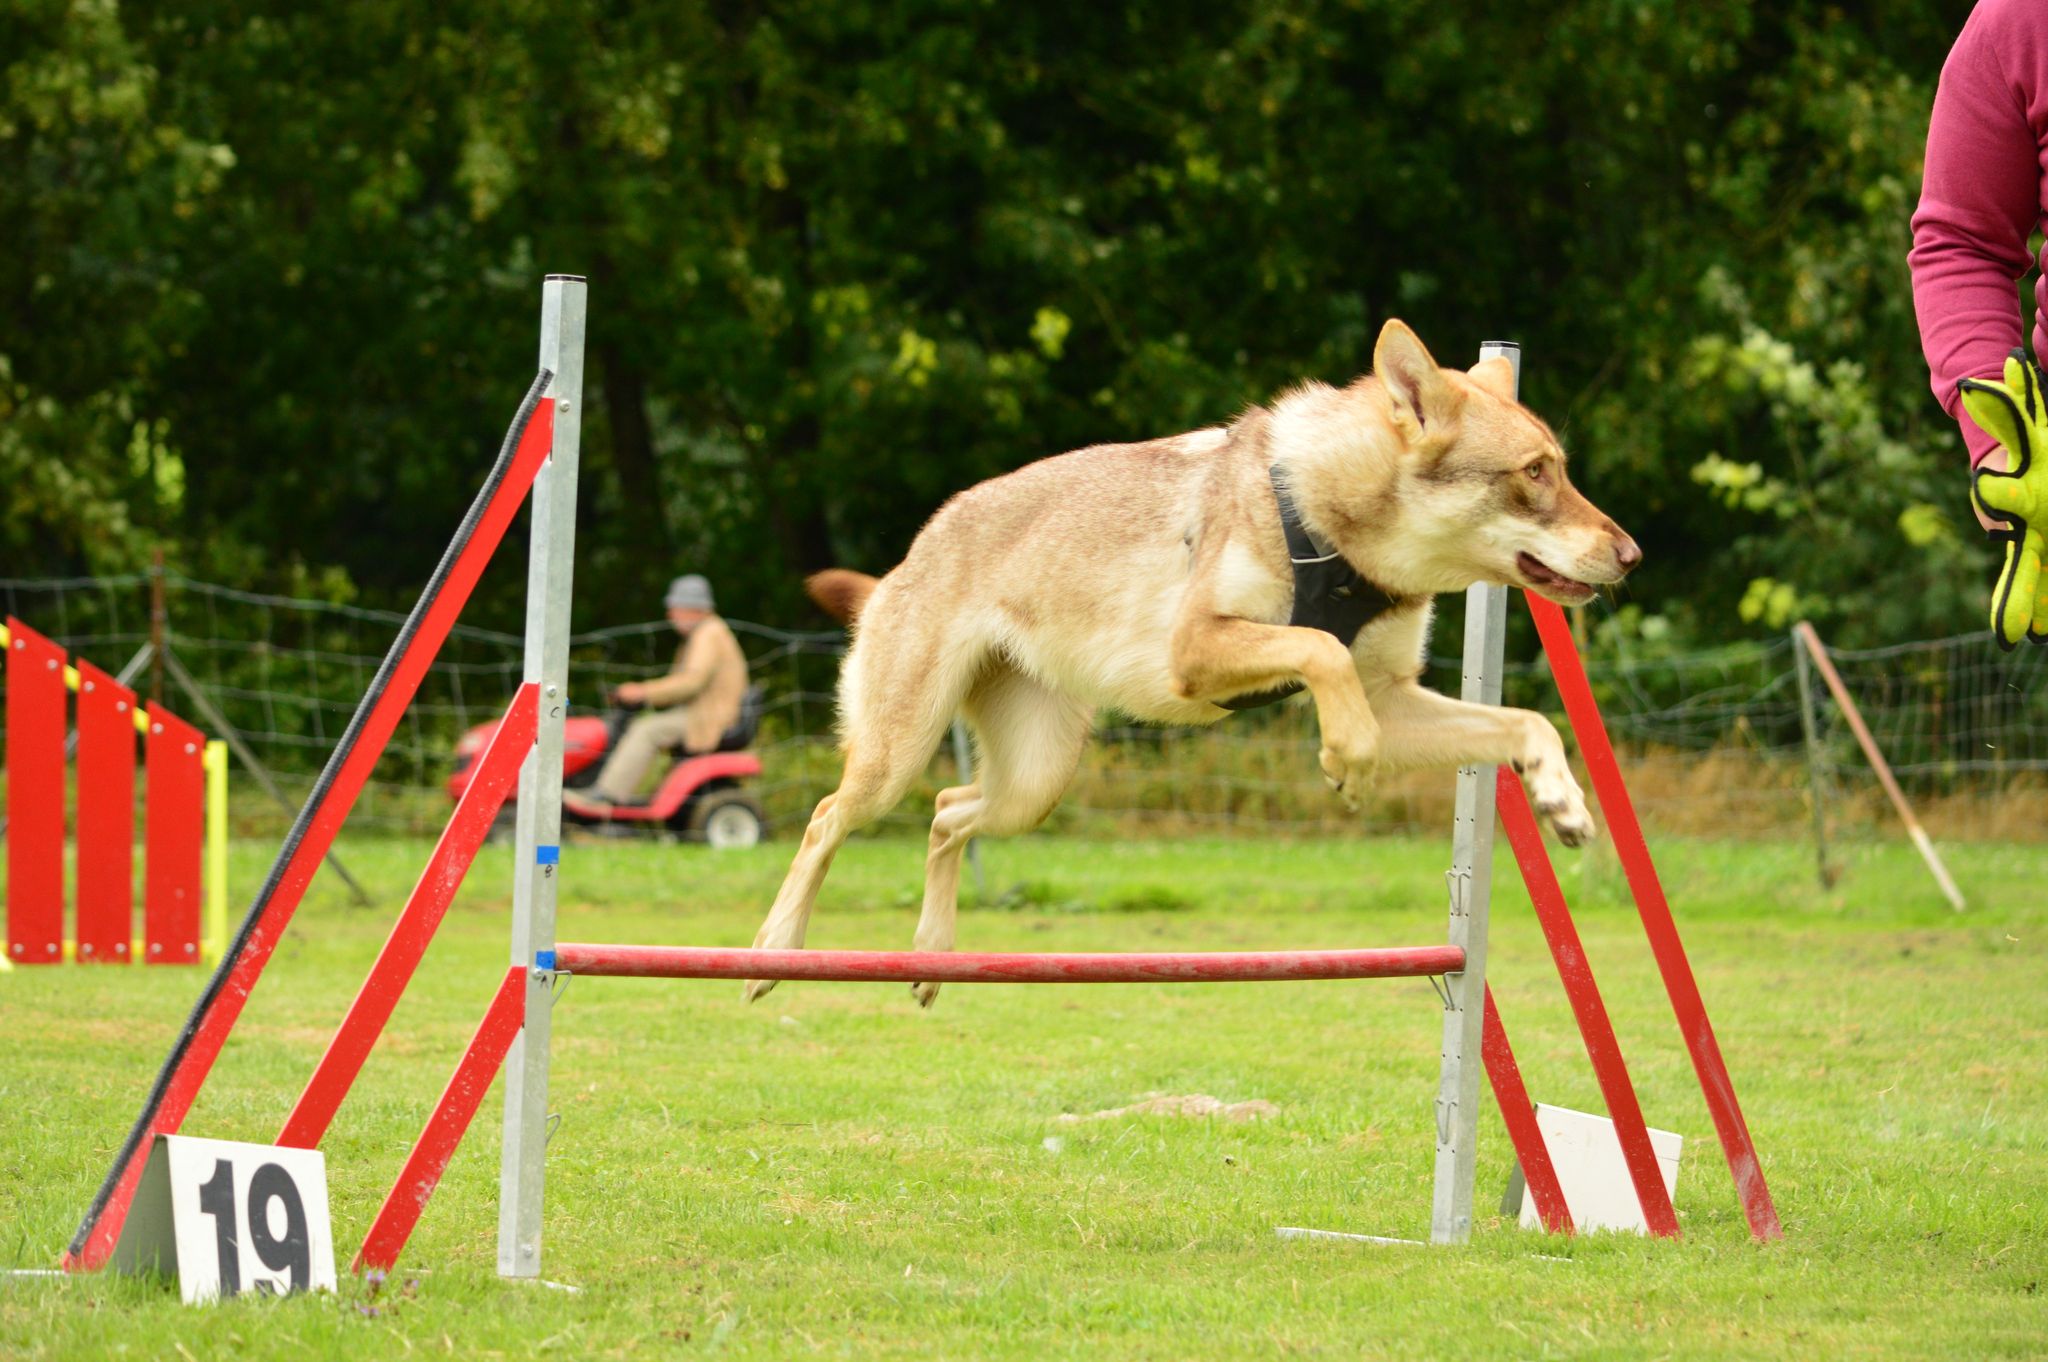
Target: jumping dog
[[1299, 547]]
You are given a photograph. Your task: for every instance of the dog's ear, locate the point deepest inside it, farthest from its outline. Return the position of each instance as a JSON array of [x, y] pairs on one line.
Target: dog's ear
[[1420, 394], [1496, 376]]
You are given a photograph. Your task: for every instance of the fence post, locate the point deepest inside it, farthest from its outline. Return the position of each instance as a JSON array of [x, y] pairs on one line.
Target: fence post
[[550, 569], [215, 938], [1471, 883], [1815, 778]]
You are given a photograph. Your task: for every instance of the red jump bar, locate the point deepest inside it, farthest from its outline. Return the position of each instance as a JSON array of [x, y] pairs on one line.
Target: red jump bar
[[948, 967]]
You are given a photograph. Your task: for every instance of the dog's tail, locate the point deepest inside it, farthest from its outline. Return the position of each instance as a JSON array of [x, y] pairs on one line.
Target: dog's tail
[[840, 592]]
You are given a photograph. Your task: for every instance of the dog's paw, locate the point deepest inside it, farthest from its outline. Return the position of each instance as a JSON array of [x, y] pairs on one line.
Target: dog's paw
[[756, 989], [1574, 828], [926, 994], [1558, 799], [1349, 772]]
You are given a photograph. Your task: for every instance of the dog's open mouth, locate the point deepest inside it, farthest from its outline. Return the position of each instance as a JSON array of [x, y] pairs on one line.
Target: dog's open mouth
[[1542, 577]]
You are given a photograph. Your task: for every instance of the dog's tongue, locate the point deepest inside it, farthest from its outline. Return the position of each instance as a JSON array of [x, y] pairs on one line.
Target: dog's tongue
[[1542, 574]]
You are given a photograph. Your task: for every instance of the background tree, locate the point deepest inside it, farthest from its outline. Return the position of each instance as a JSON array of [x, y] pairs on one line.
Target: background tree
[[273, 274]]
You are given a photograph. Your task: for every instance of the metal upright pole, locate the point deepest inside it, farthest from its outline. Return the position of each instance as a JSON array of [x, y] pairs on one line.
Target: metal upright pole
[[1471, 883], [550, 571], [1816, 790]]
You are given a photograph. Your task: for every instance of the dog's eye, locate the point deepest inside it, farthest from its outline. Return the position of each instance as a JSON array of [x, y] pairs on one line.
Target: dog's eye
[[1535, 471]]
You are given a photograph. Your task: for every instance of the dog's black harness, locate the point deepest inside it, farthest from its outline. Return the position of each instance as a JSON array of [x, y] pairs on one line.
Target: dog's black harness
[[1328, 593]]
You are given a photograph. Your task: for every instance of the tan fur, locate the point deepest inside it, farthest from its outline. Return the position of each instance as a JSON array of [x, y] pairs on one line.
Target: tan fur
[[840, 593], [1153, 579]]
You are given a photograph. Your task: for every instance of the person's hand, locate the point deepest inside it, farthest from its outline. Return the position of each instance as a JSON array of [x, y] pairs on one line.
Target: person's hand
[[1994, 462], [2014, 413], [631, 694]]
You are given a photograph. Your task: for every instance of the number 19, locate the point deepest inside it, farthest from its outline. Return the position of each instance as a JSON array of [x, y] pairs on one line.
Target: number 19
[[292, 1253]]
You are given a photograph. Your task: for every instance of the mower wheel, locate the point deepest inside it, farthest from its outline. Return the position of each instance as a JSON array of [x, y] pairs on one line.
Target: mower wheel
[[727, 818]]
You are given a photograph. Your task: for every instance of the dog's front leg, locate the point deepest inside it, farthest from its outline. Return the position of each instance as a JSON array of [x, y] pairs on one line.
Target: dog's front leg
[[1216, 657], [1420, 729]]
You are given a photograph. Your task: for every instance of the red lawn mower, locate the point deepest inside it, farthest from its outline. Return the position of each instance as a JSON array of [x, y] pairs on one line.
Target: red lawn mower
[[701, 798]]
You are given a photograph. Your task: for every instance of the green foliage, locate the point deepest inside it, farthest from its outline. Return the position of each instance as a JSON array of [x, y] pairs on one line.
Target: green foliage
[[847, 259], [96, 186]]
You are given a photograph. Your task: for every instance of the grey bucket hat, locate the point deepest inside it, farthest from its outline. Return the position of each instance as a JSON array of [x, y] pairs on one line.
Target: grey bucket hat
[[690, 592]]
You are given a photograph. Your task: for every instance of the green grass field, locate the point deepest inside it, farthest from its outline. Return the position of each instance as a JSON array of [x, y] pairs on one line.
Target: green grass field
[[834, 1172]]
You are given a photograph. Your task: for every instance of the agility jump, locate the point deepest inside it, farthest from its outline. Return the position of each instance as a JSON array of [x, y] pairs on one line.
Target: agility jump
[[541, 453], [184, 818]]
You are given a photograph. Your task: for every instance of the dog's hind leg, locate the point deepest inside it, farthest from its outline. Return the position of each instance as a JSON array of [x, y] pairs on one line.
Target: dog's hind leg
[[901, 687], [1031, 738], [859, 800]]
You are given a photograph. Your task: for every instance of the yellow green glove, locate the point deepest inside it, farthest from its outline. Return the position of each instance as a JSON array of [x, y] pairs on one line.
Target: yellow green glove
[[2013, 413]]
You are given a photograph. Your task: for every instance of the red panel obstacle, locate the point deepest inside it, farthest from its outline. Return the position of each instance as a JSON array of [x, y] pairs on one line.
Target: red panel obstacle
[[38, 790], [106, 817], [174, 831], [35, 797], [946, 967], [1679, 985]]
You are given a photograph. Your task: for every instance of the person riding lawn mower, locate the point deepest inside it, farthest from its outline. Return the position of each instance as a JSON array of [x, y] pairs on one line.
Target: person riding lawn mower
[[704, 710]]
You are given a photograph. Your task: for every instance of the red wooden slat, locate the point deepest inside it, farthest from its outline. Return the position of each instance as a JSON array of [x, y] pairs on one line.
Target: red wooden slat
[[1519, 821], [495, 775], [1518, 1114], [962, 967], [35, 797], [407, 1199], [174, 838], [1684, 991], [178, 1087], [106, 818]]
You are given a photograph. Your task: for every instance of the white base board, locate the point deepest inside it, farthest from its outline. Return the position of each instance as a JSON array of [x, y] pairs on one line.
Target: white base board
[[1590, 1168], [227, 1218]]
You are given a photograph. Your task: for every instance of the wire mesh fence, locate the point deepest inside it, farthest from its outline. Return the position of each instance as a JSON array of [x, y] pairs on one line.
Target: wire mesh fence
[[1714, 738]]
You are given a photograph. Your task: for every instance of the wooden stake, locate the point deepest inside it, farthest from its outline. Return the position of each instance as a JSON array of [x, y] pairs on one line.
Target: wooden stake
[[1804, 631], [1815, 779]]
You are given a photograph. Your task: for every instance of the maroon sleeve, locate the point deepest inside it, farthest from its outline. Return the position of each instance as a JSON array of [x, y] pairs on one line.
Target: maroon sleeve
[[1979, 202]]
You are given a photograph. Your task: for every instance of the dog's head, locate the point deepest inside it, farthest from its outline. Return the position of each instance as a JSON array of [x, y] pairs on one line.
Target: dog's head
[[1482, 482]]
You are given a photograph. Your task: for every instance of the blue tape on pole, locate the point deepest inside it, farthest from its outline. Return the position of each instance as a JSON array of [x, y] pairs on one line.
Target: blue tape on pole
[[547, 855], [544, 960]]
